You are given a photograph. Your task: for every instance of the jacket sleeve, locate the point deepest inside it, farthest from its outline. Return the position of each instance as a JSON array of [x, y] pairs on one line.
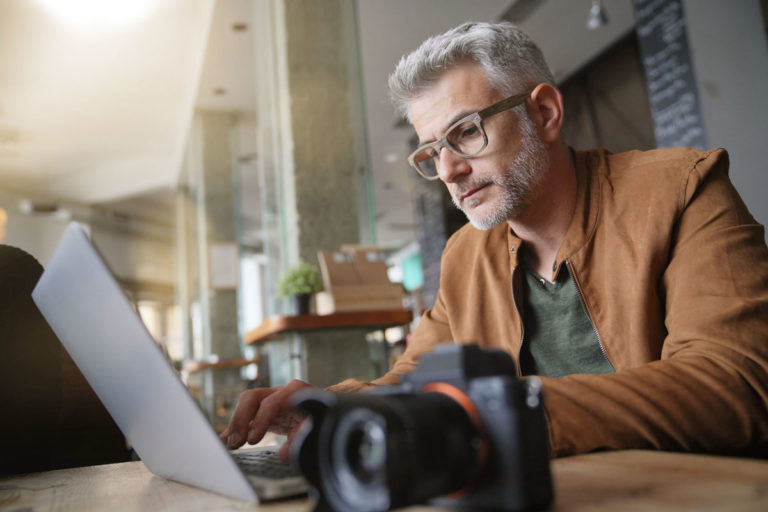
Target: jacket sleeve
[[709, 390], [432, 330]]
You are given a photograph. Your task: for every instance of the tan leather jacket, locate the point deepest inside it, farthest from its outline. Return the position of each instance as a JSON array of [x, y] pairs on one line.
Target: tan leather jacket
[[673, 271]]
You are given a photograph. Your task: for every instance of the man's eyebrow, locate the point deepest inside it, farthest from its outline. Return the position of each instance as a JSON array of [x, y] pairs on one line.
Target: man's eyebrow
[[458, 117]]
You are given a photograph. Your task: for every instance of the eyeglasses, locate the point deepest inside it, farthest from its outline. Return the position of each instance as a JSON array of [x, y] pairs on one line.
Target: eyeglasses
[[465, 138]]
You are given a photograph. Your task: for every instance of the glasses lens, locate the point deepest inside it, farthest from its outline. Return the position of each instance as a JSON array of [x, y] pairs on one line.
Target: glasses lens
[[426, 161], [467, 137]]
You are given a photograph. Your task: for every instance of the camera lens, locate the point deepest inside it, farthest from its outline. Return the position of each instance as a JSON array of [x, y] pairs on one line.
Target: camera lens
[[366, 450], [379, 448], [357, 455]]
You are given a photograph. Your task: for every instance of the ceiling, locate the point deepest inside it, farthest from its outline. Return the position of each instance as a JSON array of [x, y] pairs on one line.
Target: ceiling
[[96, 107], [100, 113]]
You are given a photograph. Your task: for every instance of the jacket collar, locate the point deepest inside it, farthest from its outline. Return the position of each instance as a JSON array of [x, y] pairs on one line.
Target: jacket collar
[[588, 165]]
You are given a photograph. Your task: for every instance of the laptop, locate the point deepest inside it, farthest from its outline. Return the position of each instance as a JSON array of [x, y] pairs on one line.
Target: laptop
[[100, 329]]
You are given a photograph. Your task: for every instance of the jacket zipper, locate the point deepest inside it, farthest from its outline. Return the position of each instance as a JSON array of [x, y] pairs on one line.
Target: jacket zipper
[[522, 327], [586, 311]]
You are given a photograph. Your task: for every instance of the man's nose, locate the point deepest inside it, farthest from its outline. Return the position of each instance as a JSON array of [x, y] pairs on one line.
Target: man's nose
[[450, 165]]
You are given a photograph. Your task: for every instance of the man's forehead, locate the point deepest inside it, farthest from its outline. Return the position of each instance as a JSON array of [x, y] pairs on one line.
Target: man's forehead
[[455, 94]]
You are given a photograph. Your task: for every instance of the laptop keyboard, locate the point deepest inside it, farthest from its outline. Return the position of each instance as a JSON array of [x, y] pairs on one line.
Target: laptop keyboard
[[264, 463]]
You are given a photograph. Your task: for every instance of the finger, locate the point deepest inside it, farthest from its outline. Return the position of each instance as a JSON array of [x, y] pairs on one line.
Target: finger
[[247, 406], [270, 407]]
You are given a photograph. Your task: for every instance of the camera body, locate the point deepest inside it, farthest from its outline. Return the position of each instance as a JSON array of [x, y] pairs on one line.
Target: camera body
[[460, 430]]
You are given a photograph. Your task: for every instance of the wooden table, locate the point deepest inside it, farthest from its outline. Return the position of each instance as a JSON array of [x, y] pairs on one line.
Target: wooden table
[[325, 349], [609, 481]]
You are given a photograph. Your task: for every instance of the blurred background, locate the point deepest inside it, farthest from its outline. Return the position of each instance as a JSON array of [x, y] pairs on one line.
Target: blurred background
[[209, 145]]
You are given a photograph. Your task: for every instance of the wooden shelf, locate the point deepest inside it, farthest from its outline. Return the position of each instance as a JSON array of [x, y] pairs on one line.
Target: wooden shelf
[[275, 325]]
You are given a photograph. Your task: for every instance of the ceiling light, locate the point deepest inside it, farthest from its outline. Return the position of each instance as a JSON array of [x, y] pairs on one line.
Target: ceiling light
[[29, 207], [597, 17], [45, 208]]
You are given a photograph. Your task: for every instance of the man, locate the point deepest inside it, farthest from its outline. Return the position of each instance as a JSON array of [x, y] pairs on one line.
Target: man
[[635, 284]]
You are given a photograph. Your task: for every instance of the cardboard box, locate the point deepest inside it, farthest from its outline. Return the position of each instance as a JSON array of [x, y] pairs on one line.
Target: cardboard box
[[355, 279]]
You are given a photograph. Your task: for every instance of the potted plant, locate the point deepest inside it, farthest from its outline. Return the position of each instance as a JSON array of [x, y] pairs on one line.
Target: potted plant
[[299, 283]]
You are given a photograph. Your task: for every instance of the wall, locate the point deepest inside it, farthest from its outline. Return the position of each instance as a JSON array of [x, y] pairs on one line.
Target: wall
[[134, 253], [36, 235], [730, 58], [606, 103], [135, 256]]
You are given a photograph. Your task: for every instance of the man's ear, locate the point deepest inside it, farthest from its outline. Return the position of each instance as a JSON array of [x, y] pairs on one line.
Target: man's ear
[[546, 110]]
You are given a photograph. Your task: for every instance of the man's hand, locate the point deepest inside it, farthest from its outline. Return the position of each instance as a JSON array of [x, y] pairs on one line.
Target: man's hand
[[261, 410]]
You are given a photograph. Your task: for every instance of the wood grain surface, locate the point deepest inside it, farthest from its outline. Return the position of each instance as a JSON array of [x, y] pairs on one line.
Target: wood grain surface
[[617, 481]]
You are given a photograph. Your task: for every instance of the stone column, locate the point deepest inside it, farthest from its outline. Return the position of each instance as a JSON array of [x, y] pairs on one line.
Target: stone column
[[326, 120], [312, 155], [311, 127]]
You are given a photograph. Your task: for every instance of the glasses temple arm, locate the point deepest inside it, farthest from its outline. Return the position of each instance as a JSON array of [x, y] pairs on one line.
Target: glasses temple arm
[[505, 104]]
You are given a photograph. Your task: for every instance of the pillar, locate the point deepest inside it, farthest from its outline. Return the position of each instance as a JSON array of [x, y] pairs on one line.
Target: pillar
[[312, 143]]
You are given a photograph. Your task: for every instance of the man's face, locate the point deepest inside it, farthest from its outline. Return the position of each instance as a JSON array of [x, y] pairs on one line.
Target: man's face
[[500, 182]]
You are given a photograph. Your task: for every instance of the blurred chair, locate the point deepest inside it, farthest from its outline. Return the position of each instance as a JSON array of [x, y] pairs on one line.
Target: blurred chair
[[51, 418]]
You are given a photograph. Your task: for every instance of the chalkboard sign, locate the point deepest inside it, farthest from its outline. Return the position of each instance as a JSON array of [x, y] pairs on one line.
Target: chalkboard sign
[[436, 220], [672, 95]]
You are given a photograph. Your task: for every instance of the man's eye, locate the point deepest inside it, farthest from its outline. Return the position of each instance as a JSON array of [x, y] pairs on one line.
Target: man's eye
[[463, 133]]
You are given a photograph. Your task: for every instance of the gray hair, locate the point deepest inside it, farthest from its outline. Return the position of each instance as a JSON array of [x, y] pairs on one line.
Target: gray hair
[[510, 59]]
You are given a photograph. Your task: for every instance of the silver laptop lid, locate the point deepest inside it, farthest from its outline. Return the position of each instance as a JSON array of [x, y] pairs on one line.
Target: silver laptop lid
[[97, 324]]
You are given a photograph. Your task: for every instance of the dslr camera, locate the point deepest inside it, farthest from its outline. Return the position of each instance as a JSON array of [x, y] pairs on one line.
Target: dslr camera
[[460, 430]]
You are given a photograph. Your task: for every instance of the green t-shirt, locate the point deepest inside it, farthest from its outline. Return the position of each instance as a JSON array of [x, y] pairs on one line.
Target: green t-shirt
[[558, 336]]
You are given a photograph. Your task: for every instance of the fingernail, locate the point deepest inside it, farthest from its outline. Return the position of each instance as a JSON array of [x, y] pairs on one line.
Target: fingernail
[[233, 440]]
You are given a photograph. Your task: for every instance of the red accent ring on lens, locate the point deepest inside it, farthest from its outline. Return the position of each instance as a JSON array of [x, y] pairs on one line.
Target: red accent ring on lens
[[466, 403]]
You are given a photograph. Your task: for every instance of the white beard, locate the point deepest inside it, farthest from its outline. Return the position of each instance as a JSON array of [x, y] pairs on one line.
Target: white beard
[[520, 182]]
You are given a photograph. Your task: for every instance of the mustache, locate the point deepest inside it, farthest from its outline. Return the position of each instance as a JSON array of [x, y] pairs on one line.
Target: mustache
[[463, 188]]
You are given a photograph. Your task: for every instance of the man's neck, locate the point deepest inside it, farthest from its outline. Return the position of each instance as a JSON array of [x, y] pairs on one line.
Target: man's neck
[[545, 222]]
